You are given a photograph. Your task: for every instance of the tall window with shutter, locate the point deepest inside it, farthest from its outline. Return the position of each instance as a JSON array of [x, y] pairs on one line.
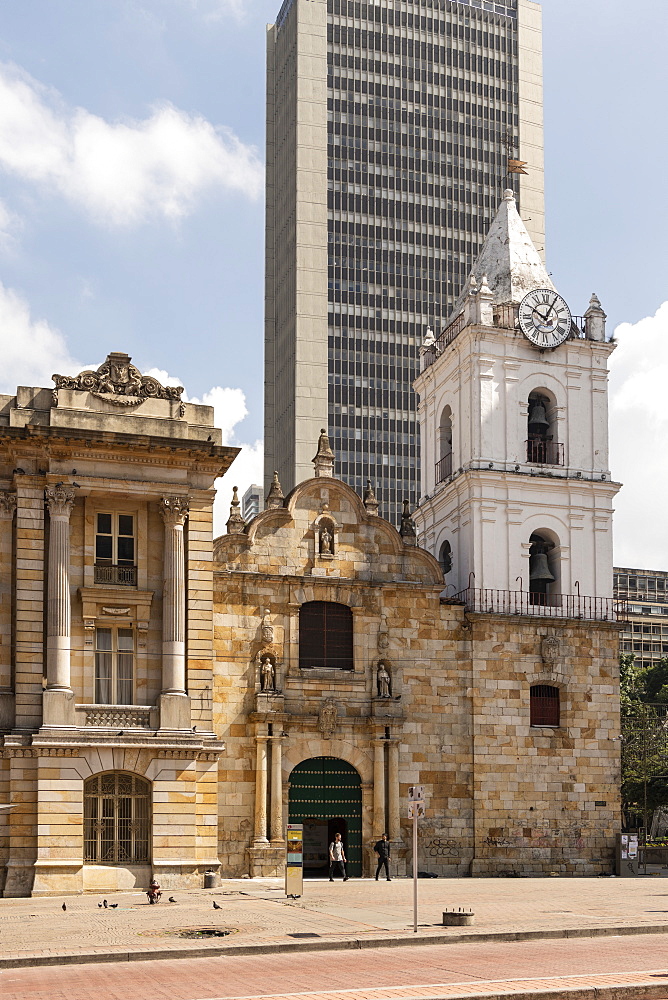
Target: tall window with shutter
[[325, 635], [544, 705]]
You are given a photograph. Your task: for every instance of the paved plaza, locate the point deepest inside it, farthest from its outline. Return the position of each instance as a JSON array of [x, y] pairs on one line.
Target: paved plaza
[[359, 912]]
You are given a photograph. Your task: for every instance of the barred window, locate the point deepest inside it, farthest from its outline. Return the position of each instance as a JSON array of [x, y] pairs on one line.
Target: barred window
[[116, 819], [325, 635], [544, 705]]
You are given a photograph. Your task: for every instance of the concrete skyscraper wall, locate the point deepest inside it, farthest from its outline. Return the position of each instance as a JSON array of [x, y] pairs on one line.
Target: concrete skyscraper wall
[[389, 130]]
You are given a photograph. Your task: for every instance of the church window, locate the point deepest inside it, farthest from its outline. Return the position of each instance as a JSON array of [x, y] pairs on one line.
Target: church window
[[116, 819], [544, 705], [114, 666], [115, 549], [325, 635]]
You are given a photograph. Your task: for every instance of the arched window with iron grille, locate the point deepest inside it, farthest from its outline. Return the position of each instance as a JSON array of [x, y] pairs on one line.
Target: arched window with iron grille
[[325, 635], [117, 810], [544, 705]]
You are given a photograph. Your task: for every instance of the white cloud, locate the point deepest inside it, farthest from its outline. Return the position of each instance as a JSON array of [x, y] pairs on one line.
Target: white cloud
[[31, 349], [120, 173], [638, 441]]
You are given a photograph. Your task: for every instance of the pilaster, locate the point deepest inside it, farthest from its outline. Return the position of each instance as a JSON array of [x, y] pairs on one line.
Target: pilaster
[[29, 602], [174, 702], [7, 509]]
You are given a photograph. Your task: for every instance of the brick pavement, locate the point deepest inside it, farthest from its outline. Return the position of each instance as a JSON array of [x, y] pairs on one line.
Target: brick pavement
[[539, 969]]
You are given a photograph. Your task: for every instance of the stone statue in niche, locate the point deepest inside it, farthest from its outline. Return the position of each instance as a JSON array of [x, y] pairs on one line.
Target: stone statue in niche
[[267, 674], [326, 541], [267, 627], [384, 681]]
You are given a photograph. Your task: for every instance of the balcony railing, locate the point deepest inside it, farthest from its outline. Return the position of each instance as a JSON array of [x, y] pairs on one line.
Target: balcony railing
[[117, 576], [444, 469], [521, 602], [545, 452]]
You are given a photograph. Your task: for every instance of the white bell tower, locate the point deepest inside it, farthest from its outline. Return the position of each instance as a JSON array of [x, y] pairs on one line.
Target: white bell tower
[[516, 490]]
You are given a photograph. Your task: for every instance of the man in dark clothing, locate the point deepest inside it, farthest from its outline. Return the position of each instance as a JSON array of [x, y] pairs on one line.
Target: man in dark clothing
[[382, 849]]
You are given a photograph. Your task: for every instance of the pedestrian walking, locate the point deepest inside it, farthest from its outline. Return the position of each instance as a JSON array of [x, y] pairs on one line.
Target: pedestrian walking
[[337, 858], [382, 849]]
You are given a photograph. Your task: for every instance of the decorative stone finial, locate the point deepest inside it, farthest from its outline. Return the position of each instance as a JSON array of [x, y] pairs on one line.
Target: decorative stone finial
[[595, 319], [324, 459], [407, 529], [369, 500], [235, 523], [509, 195], [275, 495]]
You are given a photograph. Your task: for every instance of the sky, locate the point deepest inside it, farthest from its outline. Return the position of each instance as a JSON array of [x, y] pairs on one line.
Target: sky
[[131, 208]]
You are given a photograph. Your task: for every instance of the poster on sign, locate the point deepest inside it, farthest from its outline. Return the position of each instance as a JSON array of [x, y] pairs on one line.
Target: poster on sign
[[416, 810], [416, 793]]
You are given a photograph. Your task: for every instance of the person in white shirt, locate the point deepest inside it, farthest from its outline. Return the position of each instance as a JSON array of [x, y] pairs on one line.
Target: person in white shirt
[[337, 858]]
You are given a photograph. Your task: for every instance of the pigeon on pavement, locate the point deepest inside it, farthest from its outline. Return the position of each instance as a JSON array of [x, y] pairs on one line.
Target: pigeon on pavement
[[113, 905], [100, 905], [104, 903], [64, 908], [171, 899], [215, 906]]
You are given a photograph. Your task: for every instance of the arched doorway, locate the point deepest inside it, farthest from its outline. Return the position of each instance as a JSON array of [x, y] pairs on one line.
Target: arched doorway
[[326, 797]]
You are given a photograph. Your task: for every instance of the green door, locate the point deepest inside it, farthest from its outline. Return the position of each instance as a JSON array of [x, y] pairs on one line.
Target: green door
[[326, 797]]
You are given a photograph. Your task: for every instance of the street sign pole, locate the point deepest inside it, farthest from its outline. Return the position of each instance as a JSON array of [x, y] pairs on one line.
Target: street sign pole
[[415, 871], [415, 809]]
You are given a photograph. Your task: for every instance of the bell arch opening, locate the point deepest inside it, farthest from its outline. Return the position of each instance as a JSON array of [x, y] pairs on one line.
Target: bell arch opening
[[325, 796], [444, 456], [544, 569], [543, 446]]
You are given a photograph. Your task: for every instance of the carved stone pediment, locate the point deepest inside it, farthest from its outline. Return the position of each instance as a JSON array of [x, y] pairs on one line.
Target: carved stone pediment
[[550, 650], [328, 718], [118, 382]]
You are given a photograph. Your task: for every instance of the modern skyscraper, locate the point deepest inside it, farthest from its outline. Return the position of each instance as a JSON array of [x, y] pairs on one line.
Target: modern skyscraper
[[389, 130]]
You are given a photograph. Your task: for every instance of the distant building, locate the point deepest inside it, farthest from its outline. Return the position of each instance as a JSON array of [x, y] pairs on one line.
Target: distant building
[[251, 502], [390, 129], [646, 631]]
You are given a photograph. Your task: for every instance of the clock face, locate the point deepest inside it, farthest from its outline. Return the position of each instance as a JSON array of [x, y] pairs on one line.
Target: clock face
[[545, 319]]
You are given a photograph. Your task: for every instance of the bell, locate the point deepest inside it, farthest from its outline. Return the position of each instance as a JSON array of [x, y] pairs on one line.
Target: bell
[[539, 569], [538, 422]]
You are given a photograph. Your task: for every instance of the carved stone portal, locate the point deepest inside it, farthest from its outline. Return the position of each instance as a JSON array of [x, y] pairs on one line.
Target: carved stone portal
[[328, 718]]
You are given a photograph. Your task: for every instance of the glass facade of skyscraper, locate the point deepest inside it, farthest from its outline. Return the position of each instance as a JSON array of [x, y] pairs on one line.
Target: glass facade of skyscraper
[[424, 108]]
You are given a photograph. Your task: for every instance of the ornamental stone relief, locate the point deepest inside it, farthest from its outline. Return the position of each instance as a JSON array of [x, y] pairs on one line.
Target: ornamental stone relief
[[118, 382]]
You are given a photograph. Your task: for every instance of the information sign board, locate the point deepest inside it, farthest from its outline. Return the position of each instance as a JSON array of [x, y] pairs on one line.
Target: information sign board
[[294, 861]]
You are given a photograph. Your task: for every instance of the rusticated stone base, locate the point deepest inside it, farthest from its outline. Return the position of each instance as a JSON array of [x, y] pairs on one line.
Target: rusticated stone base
[[264, 862]]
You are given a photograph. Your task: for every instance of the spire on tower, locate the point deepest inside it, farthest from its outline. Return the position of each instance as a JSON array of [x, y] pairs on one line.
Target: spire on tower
[[508, 258]]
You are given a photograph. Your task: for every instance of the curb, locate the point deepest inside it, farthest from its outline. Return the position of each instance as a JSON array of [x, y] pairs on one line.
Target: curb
[[358, 944]]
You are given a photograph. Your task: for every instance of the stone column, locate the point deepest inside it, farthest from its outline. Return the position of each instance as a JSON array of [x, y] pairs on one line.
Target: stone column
[[394, 819], [276, 819], [59, 501], [261, 791], [7, 508], [378, 788], [174, 702]]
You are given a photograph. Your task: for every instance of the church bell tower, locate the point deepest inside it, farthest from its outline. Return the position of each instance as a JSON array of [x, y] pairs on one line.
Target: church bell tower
[[516, 490]]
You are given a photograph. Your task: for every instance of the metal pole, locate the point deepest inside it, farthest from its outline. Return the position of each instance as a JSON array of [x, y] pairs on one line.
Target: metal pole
[[415, 868]]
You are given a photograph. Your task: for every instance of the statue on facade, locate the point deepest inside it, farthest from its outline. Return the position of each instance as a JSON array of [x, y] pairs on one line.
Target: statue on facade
[[384, 681], [326, 541], [267, 627], [267, 674]]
